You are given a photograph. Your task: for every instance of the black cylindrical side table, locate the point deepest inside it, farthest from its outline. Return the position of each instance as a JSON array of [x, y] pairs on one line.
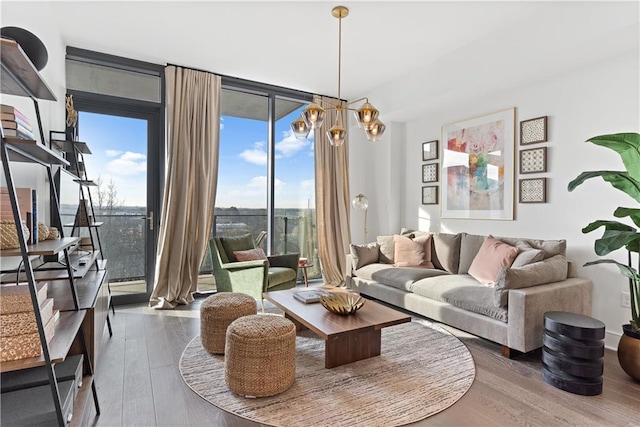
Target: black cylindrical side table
[[572, 352]]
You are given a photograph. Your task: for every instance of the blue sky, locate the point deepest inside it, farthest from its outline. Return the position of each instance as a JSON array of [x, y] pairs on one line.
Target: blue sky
[[119, 150]]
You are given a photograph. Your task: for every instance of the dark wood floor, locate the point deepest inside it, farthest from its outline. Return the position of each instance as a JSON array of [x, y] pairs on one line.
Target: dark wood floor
[[139, 383]]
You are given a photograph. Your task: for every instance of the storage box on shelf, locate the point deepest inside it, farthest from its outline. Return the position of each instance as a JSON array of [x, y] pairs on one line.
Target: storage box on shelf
[[55, 335]]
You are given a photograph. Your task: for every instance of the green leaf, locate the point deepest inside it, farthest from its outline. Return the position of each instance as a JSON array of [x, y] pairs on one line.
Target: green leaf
[[620, 180], [625, 270], [625, 144], [608, 225], [632, 213], [612, 240]]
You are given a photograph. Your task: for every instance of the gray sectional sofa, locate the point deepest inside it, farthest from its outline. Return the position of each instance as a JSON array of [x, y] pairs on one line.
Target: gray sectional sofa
[[509, 311]]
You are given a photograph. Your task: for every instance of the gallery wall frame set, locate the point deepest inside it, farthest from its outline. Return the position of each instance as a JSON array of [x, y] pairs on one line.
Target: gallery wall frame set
[[533, 190], [430, 172], [533, 160], [430, 150], [533, 130], [430, 195]]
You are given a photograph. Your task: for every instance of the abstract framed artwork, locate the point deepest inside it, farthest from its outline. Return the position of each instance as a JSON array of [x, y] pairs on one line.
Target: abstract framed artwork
[[533, 190], [430, 172], [533, 130], [430, 195], [533, 160], [429, 150], [478, 167]]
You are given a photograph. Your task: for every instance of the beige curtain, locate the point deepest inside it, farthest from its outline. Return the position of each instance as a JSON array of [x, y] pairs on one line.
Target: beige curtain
[[193, 116], [332, 201]]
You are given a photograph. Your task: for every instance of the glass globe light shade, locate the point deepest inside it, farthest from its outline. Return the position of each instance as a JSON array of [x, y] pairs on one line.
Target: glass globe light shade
[[313, 115], [366, 115], [300, 128], [360, 202], [336, 135], [375, 130]]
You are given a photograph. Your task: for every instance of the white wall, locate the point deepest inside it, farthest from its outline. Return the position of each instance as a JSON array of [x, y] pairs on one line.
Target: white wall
[[594, 100], [37, 18]]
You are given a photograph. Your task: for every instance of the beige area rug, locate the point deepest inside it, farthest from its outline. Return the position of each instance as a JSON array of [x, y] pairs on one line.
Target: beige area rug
[[422, 370]]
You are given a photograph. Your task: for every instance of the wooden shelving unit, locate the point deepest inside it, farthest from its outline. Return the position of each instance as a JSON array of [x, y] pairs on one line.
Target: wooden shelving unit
[[19, 77]]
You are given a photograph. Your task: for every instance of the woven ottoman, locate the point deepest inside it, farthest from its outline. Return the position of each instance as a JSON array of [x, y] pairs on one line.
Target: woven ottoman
[[216, 314], [260, 358]]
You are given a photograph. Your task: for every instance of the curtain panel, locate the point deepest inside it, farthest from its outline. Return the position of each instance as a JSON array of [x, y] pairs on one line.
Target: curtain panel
[[332, 200], [193, 119]]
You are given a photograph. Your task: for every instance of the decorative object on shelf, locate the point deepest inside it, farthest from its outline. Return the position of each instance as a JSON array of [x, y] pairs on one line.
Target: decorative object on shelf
[[430, 195], [72, 118], [627, 236], [30, 44], [478, 169], [533, 190], [313, 115], [9, 234], [343, 303], [533, 130], [43, 232], [429, 150], [533, 160], [361, 202], [430, 172]]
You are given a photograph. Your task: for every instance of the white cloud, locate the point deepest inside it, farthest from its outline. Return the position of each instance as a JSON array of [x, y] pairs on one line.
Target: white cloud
[[128, 163], [261, 182], [290, 145], [308, 185], [112, 153], [257, 155], [221, 124]]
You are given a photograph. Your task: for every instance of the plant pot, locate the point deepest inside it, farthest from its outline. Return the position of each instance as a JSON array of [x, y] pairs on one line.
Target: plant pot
[[629, 352]]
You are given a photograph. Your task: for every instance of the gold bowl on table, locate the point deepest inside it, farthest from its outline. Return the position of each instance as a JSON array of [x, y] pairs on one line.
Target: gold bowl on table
[[342, 303]]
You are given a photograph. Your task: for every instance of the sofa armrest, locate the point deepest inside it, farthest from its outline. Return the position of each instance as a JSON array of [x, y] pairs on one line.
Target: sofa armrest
[[243, 265], [285, 260], [528, 305], [350, 273]]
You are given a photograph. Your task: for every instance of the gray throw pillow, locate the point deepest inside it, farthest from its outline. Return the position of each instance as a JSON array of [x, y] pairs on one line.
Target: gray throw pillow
[[550, 270], [527, 255], [387, 247], [362, 255], [446, 252]]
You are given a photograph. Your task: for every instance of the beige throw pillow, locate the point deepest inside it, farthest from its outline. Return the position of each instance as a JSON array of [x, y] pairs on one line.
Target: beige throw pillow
[[554, 269], [412, 253], [492, 256], [362, 255], [386, 249]]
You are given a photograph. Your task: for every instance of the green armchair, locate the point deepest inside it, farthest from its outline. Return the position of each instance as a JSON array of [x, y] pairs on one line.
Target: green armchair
[[250, 277]]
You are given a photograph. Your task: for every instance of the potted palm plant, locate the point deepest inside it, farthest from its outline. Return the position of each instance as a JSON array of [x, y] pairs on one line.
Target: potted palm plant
[[618, 235]]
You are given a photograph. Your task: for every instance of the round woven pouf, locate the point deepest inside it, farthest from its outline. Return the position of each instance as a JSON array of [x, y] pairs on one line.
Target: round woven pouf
[[216, 314], [260, 358]]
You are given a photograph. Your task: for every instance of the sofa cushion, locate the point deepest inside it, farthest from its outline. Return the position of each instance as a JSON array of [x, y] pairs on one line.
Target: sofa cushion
[[469, 246], [386, 249], [412, 252], [549, 247], [397, 277], [236, 243], [554, 269], [362, 255], [279, 275], [445, 254], [416, 233], [492, 256], [527, 255], [462, 291], [250, 255]]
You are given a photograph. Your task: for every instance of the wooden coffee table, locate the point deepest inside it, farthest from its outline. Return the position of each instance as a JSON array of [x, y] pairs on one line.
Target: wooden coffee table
[[347, 338]]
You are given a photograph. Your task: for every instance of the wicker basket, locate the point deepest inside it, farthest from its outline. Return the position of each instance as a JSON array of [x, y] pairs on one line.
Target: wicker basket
[[260, 357], [9, 234], [216, 314]]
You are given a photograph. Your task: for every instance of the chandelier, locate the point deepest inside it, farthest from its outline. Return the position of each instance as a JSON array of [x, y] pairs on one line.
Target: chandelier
[[313, 115]]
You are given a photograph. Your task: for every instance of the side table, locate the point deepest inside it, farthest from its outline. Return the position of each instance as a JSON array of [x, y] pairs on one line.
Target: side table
[[572, 352], [305, 274]]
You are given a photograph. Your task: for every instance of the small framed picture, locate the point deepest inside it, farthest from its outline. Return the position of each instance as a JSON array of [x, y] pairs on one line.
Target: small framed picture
[[430, 172], [533, 160], [533, 130], [430, 195], [429, 150], [533, 190]]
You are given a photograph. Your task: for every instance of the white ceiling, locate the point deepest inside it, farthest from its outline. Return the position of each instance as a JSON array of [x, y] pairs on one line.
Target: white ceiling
[[294, 44]]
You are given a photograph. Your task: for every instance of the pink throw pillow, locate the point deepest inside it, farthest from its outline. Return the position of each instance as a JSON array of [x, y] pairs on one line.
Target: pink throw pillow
[[412, 253], [492, 256], [250, 255]]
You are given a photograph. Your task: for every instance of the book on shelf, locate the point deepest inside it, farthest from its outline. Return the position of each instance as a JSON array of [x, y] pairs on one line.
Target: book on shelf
[[16, 124], [19, 133], [309, 296], [33, 236], [20, 119], [10, 109], [25, 202]]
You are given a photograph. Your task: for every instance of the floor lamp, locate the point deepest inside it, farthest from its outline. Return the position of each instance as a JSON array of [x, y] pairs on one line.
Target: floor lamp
[[361, 202]]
